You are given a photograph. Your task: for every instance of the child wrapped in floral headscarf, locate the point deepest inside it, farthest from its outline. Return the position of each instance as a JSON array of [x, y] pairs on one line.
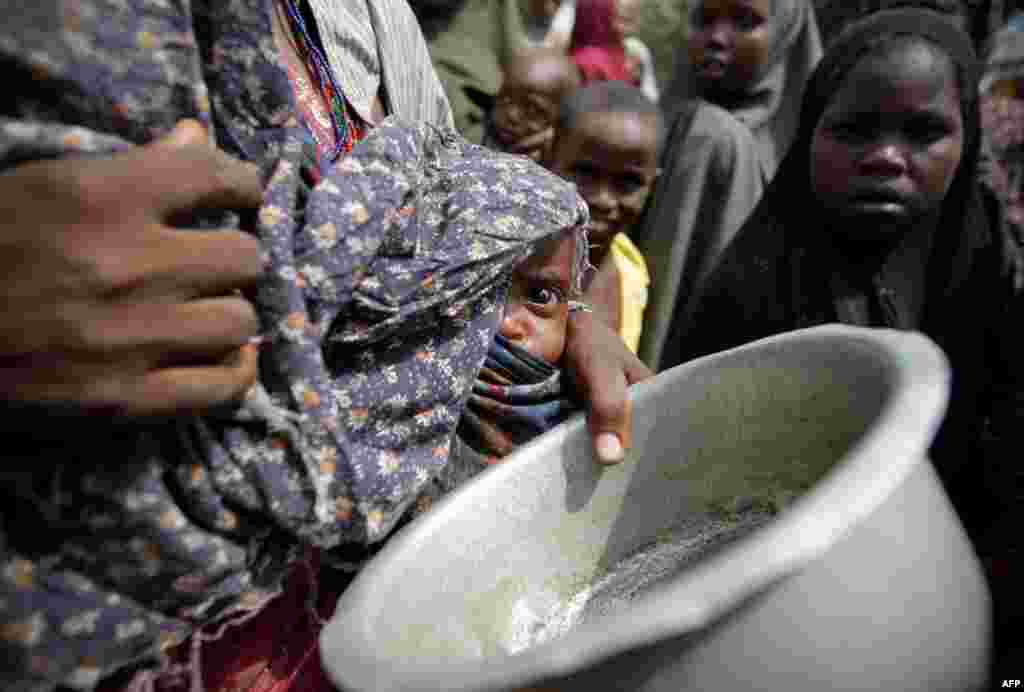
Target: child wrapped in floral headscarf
[[520, 393]]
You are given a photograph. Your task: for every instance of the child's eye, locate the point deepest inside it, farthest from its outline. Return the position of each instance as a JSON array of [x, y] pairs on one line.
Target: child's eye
[[926, 130], [544, 295], [584, 171], [535, 110], [850, 131], [747, 20], [702, 16], [629, 185]]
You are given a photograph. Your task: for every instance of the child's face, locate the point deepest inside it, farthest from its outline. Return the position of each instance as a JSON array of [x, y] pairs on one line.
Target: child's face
[[613, 159], [527, 105], [729, 43], [537, 310], [521, 117], [887, 147]]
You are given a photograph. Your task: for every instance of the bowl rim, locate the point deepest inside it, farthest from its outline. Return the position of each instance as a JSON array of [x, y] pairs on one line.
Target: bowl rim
[[917, 378]]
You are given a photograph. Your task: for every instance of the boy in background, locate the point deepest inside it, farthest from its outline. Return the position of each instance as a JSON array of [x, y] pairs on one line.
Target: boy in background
[[608, 139]]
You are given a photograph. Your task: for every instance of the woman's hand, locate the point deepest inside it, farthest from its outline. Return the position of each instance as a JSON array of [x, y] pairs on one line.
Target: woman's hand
[[103, 304], [601, 369]]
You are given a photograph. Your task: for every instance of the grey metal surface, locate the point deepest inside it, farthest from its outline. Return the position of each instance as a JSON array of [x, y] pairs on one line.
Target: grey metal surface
[[777, 526]]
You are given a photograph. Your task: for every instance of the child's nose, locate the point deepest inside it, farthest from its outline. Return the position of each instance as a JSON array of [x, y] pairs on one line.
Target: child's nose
[[513, 323], [887, 159], [601, 196], [719, 34]]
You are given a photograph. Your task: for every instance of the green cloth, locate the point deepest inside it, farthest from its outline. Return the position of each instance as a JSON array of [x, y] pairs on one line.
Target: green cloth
[[467, 57]]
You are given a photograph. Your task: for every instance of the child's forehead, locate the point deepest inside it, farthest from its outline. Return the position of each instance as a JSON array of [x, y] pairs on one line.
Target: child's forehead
[[765, 7], [618, 129], [552, 260], [900, 67], [910, 54], [600, 120], [546, 73]]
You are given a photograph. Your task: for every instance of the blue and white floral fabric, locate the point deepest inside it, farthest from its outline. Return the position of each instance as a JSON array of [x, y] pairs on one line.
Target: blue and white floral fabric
[[384, 288]]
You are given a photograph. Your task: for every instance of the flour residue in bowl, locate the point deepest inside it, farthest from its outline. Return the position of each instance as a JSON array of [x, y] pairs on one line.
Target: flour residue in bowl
[[546, 617]]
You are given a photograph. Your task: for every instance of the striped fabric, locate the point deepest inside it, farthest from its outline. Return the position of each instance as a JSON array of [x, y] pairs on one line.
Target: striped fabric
[[367, 42]]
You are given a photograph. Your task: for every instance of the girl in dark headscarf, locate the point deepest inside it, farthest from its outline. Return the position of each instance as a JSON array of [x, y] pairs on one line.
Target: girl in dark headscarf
[[597, 46], [764, 67], [732, 110], [876, 219], [834, 16]]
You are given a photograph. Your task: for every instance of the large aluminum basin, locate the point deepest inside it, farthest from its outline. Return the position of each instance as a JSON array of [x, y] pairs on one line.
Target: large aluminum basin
[[864, 581]]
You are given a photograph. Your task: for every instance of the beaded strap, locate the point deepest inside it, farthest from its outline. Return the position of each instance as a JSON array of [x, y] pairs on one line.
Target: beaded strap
[[345, 130]]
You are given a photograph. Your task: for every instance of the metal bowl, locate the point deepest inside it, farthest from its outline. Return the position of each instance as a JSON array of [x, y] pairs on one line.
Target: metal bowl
[[823, 553]]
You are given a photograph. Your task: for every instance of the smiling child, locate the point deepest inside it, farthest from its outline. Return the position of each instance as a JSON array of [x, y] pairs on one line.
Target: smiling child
[[607, 142]]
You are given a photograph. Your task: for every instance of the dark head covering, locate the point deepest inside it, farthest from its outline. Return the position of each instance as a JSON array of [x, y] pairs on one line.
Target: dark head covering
[[836, 15], [769, 105], [963, 226]]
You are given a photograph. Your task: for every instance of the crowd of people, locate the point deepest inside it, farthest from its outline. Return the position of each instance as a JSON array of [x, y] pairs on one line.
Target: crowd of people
[[279, 274]]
